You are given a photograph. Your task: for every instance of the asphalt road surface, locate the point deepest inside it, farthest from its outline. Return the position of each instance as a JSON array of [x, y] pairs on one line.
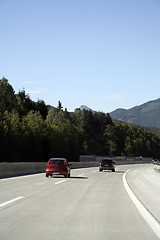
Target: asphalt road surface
[[89, 205]]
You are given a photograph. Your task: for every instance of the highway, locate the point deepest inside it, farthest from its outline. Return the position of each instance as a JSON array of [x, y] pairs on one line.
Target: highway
[[89, 205]]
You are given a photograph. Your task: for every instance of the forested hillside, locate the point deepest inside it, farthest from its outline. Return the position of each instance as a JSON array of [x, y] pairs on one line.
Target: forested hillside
[[31, 132], [146, 114]]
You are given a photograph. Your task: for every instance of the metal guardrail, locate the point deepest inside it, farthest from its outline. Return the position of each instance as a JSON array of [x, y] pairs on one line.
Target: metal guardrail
[[118, 159]]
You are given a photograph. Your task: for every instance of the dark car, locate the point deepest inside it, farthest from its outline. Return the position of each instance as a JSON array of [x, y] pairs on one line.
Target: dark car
[[58, 166], [155, 161], [107, 164]]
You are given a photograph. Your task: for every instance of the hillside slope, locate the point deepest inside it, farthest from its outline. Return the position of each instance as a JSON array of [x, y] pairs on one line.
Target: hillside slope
[[147, 114]]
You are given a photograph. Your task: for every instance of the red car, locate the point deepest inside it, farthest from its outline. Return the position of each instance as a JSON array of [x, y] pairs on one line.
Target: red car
[[58, 166]]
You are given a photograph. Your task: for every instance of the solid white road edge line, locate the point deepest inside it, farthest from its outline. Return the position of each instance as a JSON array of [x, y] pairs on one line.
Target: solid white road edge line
[[11, 201], [24, 176], [144, 212], [60, 182]]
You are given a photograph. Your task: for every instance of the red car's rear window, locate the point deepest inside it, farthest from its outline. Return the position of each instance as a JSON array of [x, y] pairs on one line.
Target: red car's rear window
[[59, 161]]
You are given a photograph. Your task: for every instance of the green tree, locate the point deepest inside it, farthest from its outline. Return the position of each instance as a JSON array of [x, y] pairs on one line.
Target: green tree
[[10, 136], [34, 123], [25, 104], [59, 107], [111, 140], [42, 108], [51, 116], [128, 146], [8, 99], [35, 141], [93, 125]]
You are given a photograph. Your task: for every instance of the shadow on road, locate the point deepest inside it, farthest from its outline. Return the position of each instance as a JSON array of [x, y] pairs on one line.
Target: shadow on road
[[114, 172], [120, 171], [79, 177], [71, 177]]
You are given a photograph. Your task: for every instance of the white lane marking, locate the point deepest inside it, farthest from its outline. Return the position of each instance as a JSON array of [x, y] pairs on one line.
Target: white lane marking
[[60, 182], [40, 183], [81, 175], [11, 201], [144, 212], [25, 176], [78, 169], [94, 171]]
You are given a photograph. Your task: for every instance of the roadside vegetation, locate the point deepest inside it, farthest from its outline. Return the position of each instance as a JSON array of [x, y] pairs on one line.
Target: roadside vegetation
[[31, 132]]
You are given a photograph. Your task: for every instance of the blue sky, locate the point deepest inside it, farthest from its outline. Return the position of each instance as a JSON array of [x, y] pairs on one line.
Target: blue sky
[[100, 53]]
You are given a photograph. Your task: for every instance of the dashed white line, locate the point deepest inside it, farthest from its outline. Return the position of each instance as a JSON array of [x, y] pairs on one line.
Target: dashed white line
[[144, 212], [77, 169], [81, 175], [60, 182], [10, 201]]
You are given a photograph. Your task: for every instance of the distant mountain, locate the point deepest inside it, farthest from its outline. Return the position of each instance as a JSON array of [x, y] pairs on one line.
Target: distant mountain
[[49, 107], [147, 114], [86, 108]]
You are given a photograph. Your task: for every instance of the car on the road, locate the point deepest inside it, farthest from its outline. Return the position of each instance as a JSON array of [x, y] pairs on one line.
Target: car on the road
[[155, 161], [58, 166], [107, 164]]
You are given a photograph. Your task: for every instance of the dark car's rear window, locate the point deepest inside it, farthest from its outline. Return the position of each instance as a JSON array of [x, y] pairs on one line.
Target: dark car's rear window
[[59, 161], [107, 161]]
